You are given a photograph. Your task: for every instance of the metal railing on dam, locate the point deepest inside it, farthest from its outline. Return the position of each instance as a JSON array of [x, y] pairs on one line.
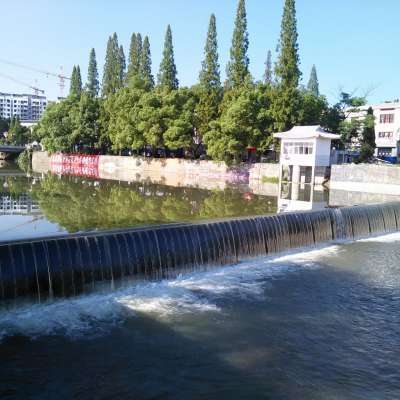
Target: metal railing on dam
[[69, 265]]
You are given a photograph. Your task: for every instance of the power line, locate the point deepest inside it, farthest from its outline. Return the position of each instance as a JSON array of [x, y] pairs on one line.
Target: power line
[[61, 77]]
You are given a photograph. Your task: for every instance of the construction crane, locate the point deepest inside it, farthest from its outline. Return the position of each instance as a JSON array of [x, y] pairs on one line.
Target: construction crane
[[61, 77], [35, 89]]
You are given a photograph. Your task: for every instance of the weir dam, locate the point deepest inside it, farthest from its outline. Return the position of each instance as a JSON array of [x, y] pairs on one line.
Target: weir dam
[[68, 265]]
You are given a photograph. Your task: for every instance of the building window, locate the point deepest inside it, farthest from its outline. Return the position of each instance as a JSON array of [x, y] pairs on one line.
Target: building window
[[387, 135], [384, 151], [386, 118], [298, 148]]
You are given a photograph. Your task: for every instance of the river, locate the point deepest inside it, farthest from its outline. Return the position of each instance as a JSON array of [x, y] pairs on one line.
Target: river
[[315, 324]]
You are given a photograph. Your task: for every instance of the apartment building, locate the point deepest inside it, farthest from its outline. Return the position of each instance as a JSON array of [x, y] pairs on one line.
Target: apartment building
[[387, 128], [27, 107]]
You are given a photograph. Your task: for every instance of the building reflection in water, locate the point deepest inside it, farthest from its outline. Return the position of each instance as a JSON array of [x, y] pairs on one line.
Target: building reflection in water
[[300, 196]]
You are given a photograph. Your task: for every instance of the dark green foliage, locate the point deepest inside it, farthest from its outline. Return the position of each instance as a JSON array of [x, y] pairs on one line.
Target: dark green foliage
[[268, 69], [4, 125], [368, 144], [113, 68], [132, 113], [313, 85], [167, 75], [70, 125], [209, 75], [56, 126], [209, 88], [76, 82], [122, 65], [158, 118], [313, 109], [24, 160], [92, 85], [133, 65], [145, 65], [286, 104], [287, 67], [243, 123], [17, 134], [348, 129], [238, 66]]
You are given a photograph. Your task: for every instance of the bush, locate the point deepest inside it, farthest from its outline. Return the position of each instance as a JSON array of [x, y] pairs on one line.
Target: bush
[[24, 160]]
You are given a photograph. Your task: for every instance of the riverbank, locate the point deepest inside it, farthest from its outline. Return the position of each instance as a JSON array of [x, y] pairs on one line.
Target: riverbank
[[170, 171], [366, 178]]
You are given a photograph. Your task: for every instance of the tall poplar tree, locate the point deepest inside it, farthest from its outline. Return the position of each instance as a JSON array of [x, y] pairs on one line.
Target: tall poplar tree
[[145, 65], [92, 85], [268, 69], [238, 66], [135, 54], [76, 82], [139, 46], [167, 75], [313, 85], [112, 67], [286, 99], [133, 65], [121, 66], [209, 81]]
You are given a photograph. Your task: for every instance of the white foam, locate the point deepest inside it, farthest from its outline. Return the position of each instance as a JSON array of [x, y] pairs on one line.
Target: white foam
[[199, 292], [389, 238]]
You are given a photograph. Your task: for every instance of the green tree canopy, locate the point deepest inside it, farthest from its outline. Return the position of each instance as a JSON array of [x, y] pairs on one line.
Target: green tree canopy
[[285, 107], [368, 143], [238, 65], [92, 85], [268, 69], [135, 51], [76, 82], [313, 85], [145, 65], [17, 134], [209, 88], [113, 67], [167, 75]]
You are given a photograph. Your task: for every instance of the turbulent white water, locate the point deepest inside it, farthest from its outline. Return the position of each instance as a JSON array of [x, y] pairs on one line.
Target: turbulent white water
[[94, 314], [389, 238], [192, 293]]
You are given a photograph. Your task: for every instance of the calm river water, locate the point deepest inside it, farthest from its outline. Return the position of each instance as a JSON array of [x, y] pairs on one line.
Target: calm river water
[[318, 324]]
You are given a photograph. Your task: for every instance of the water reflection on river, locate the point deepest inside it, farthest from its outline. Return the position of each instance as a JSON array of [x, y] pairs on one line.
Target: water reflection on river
[[42, 205], [52, 204]]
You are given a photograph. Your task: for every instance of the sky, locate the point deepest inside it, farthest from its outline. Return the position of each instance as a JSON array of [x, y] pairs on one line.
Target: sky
[[352, 42]]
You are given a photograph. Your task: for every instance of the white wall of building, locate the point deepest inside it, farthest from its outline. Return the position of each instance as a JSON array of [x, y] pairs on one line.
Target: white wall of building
[[306, 152], [27, 107], [387, 127]]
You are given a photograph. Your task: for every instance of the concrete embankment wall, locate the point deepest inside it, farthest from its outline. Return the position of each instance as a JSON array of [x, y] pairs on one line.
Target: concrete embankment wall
[[172, 171], [367, 178]]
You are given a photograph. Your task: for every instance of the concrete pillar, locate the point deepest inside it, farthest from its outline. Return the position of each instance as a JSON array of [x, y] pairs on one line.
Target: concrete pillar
[[312, 176], [295, 191], [296, 173]]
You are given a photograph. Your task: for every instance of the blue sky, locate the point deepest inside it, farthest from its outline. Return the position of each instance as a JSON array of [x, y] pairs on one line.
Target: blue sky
[[352, 42]]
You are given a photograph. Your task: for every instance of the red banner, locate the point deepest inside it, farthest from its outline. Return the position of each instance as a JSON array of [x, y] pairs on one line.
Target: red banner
[[75, 164]]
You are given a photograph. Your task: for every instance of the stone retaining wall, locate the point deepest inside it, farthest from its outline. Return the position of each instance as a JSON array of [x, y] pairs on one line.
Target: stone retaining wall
[[171, 171], [260, 170], [367, 178]]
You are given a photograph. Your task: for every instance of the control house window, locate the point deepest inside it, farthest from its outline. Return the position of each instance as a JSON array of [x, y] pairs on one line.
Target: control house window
[[298, 148], [387, 135], [386, 118]]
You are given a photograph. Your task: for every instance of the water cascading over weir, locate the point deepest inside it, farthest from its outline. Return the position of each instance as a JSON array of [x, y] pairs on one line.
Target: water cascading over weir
[[69, 265]]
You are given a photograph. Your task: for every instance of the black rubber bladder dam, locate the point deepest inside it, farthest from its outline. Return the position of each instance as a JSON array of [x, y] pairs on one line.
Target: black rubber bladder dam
[[69, 265]]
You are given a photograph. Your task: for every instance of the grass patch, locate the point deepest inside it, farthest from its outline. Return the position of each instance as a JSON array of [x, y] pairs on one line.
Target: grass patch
[[269, 179]]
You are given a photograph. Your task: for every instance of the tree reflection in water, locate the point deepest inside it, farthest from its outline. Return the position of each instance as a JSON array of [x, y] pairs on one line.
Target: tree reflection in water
[[79, 204]]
